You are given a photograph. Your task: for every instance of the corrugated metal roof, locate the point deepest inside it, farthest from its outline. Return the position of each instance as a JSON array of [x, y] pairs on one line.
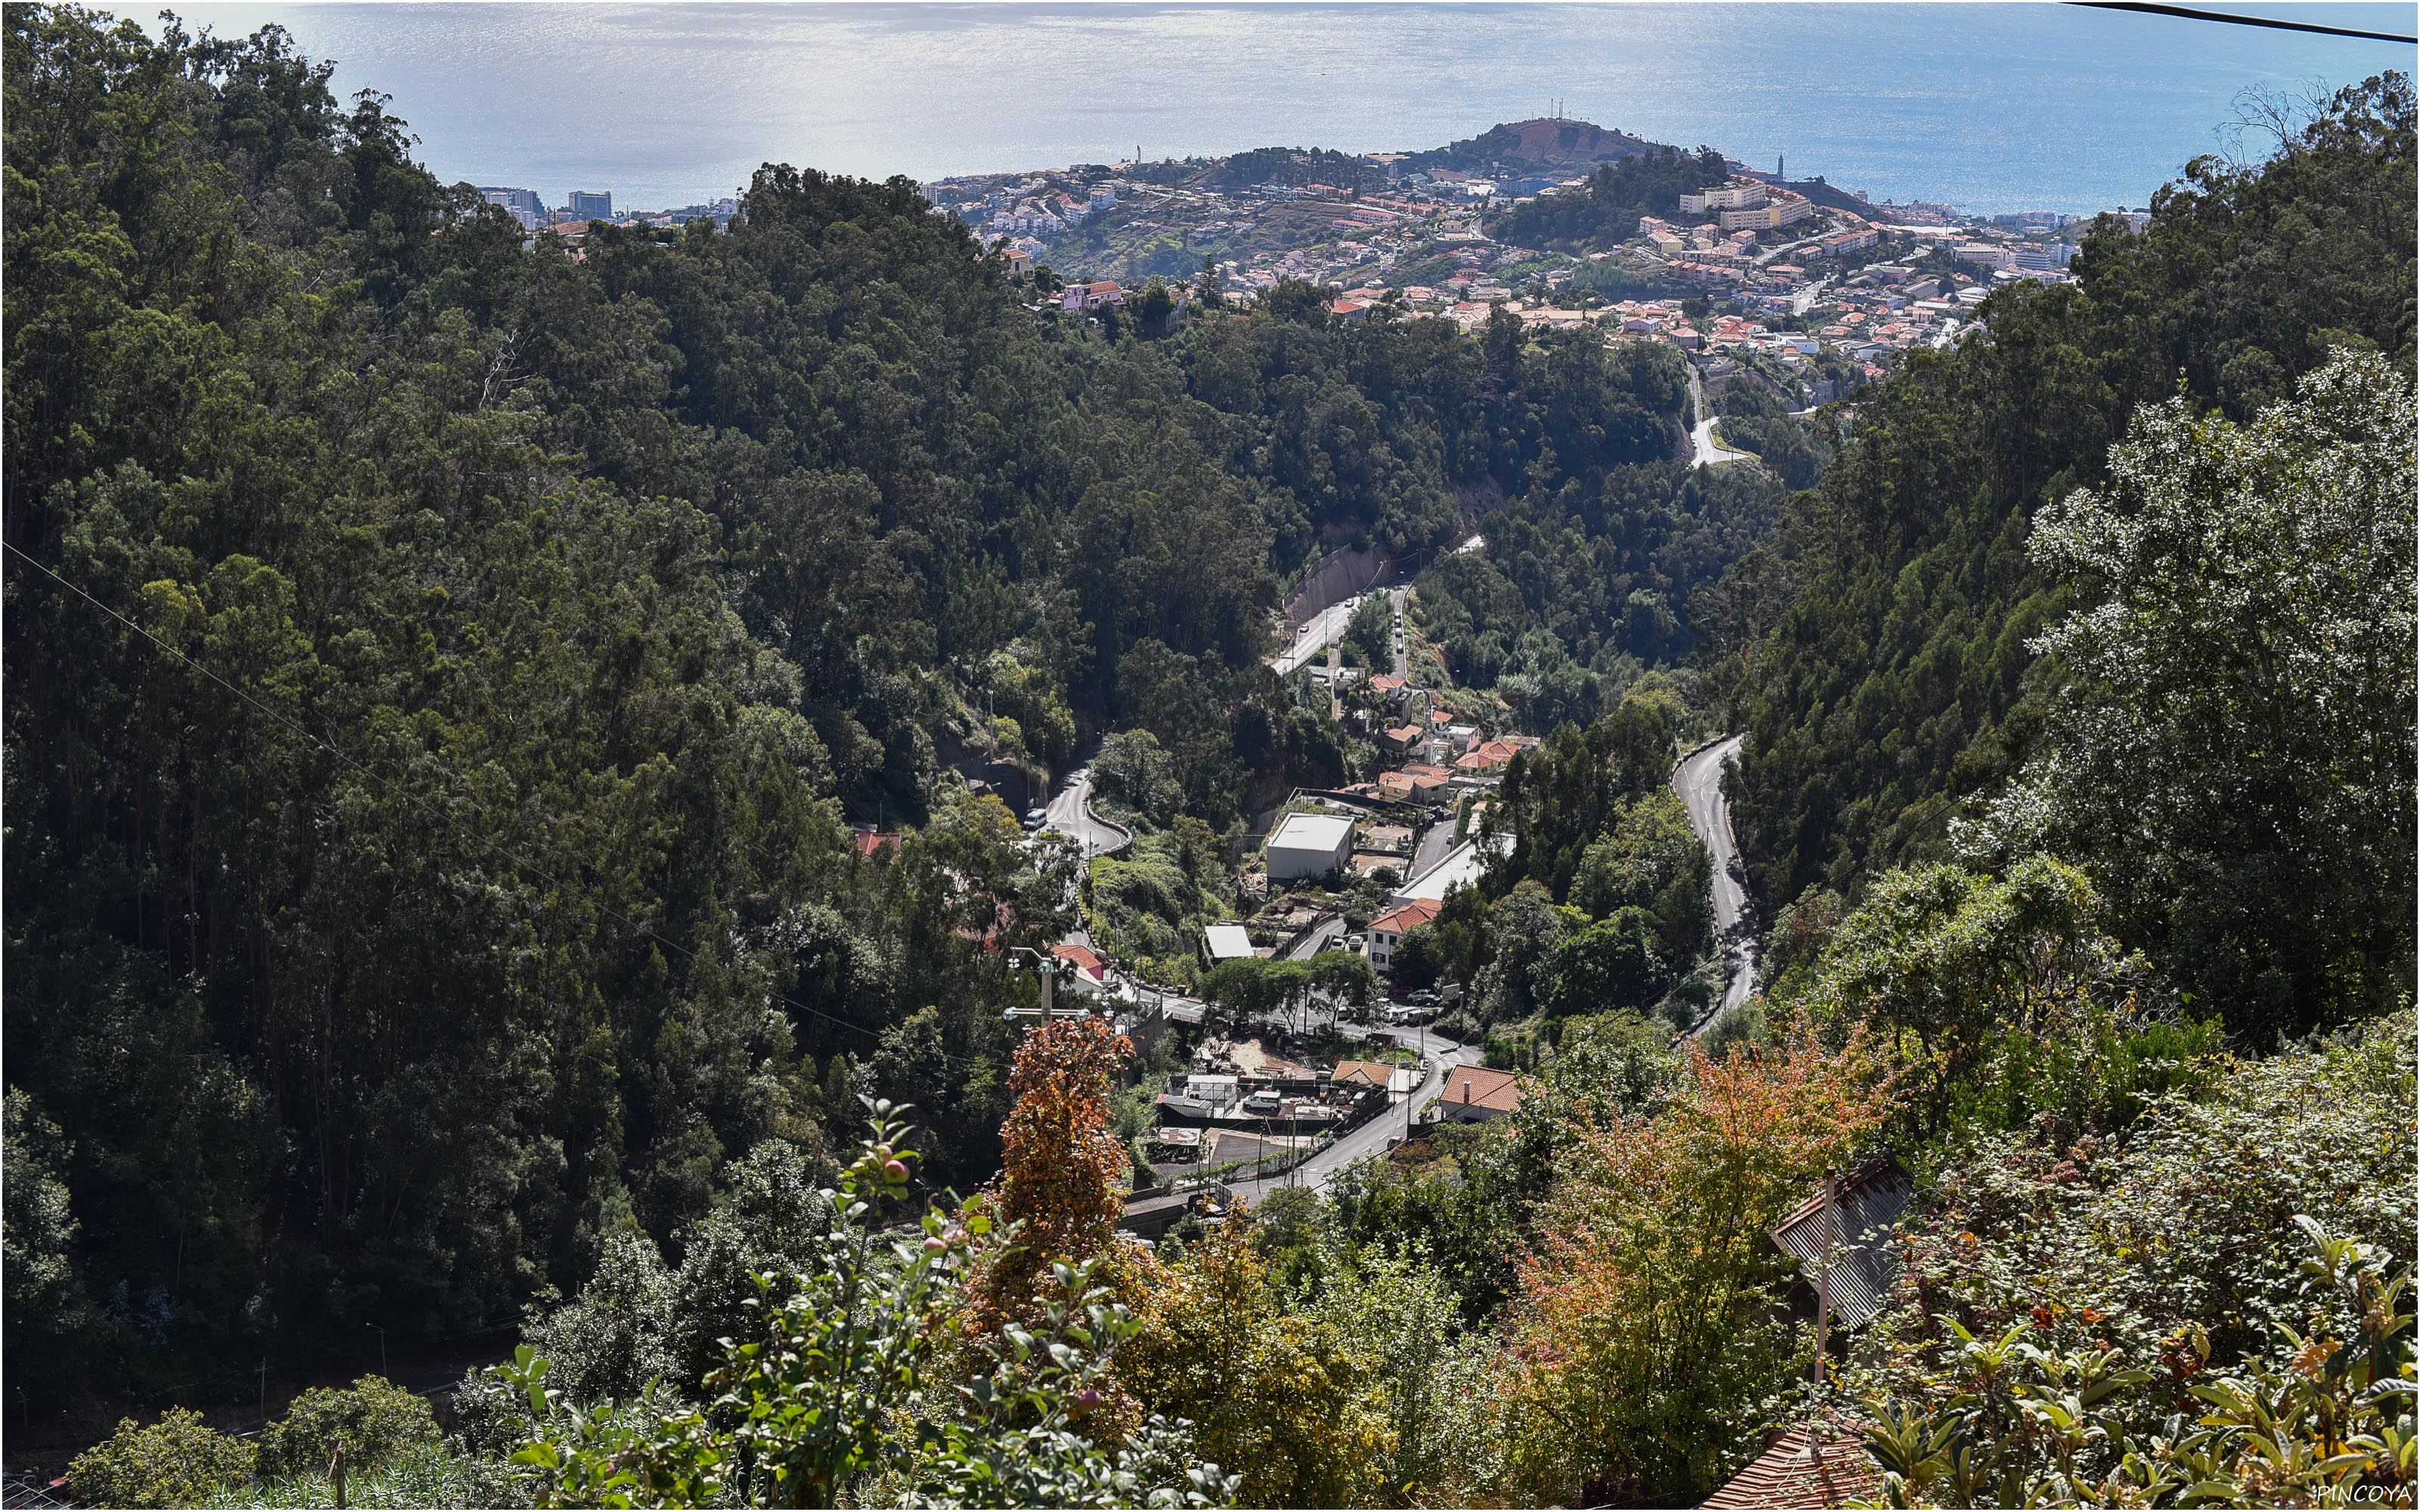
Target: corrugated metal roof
[[1865, 1259], [1835, 1473]]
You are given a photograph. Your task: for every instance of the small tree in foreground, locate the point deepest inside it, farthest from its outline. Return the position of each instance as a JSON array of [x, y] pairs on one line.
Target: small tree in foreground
[[178, 1462], [1648, 1338], [375, 1419]]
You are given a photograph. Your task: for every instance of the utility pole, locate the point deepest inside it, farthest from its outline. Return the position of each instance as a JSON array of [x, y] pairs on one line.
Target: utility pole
[[381, 1334]]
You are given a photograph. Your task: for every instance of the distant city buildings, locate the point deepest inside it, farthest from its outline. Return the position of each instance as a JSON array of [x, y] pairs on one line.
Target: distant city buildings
[[1733, 196], [522, 205], [591, 204]]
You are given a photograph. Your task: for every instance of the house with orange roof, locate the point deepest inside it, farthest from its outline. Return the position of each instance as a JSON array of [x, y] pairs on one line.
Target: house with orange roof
[[1408, 786], [1082, 968], [1489, 757], [1388, 930], [869, 842], [1474, 1094]]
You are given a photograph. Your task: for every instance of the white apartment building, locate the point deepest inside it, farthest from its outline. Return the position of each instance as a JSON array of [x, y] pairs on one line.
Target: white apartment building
[[1784, 210], [1739, 197]]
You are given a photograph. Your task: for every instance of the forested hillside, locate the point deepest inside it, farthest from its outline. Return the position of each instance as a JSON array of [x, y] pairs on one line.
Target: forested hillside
[[442, 672], [1888, 679]]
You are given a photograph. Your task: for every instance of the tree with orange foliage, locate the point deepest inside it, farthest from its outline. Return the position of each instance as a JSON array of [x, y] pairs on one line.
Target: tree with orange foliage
[[1647, 1337], [1061, 1189]]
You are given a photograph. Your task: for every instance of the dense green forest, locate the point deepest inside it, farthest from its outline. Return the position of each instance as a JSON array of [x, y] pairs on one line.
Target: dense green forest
[[442, 670], [1581, 590], [1606, 212], [1885, 628]]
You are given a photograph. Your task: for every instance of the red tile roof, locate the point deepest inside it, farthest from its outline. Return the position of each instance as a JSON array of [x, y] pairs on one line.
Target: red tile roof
[[1407, 916], [1088, 962], [1787, 1474], [1481, 1088], [1361, 1072]]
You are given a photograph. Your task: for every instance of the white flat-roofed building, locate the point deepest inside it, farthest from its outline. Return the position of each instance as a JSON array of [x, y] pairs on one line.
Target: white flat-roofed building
[[1225, 942], [1738, 196], [1309, 845]]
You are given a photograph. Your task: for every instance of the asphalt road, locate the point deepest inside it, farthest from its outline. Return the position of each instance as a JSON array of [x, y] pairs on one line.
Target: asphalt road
[[1071, 817], [1702, 436], [1329, 932], [1436, 841], [1371, 1138], [1698, 780], [1311, 640]]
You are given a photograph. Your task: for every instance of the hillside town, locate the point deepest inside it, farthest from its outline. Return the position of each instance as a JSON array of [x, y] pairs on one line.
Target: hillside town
[[1832, 288], [1820, 289]]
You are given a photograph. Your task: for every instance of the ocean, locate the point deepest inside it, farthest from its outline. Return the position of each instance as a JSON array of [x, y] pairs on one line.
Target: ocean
[[1993, 108]]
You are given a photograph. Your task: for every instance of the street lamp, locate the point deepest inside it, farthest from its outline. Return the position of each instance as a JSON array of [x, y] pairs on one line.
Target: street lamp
[[381, 1334]]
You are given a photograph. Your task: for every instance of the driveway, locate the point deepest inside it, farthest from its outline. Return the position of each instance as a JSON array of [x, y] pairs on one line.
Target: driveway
[[1436, 841], [1699, 781], [1319, 937]]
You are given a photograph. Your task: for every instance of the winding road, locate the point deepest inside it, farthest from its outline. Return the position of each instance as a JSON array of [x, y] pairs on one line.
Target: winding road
[[1701, 438], [1699, 781], [1070, 814]]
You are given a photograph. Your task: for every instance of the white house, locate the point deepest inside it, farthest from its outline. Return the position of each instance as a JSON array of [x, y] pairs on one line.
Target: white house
[[1309, 845], [1388, 930]]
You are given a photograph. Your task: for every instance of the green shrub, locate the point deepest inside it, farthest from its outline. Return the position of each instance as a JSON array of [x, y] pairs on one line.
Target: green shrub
[[417, 1478], [177, 1461], [374, 1418]]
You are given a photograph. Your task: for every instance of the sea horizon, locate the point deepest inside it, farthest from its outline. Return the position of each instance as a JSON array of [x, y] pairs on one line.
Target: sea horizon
[[1992, 108]]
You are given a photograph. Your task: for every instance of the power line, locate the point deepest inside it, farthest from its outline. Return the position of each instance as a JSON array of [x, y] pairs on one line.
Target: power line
[[331, 747], [2189, 13]]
